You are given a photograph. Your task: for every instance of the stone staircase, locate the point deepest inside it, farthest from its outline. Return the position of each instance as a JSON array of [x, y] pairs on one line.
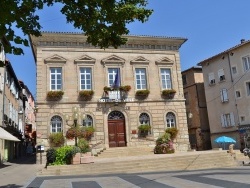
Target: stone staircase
[[137, 160]]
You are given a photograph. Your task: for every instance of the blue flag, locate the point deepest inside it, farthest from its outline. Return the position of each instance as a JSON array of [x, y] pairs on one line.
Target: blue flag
[[117, 80]]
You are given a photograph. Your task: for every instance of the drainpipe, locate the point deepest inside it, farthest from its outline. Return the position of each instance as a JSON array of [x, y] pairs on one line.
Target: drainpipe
[[231, 76]]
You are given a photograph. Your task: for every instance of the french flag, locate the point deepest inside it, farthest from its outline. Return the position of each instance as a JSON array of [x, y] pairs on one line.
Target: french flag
[[117, 80]]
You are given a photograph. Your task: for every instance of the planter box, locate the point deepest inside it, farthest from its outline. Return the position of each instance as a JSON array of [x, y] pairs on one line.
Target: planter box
[[87, 159], [76, 159]]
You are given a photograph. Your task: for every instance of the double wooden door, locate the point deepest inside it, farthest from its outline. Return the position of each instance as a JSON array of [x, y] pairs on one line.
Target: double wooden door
[[117, 133]]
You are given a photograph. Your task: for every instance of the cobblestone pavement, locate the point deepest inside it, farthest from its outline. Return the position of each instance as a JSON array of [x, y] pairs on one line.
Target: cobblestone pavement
[[228, 178]]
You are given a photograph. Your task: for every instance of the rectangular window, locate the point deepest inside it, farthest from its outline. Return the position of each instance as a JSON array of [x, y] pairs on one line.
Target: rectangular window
[[112, 76], [56, 78], [246, 63], [227, 120], [224, 95], [248, 88], [234, 70], [166, 79], [85, 79], [242, 118], [211, 78], [141, 79], [221, 74], [237, 94]]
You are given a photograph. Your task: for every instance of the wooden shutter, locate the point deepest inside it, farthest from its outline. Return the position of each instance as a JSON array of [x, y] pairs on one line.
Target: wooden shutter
[[232, 119], [222, 120]]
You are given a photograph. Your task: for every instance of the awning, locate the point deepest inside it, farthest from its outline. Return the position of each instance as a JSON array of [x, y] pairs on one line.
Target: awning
[[7, 136]]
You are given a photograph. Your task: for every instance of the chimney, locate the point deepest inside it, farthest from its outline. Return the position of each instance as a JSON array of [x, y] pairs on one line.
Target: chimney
[[242, 41]]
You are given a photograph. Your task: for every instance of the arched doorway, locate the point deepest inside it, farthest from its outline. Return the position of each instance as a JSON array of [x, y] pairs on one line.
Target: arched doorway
[[116, 129]]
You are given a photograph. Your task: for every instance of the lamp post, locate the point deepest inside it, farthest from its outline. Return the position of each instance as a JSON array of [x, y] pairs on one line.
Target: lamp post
[[75, 116]]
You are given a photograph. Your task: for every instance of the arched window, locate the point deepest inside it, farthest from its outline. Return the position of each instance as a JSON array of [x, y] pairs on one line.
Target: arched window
[[170, 118], [116, 115], [88, 121], [56, 124], [144, 119]]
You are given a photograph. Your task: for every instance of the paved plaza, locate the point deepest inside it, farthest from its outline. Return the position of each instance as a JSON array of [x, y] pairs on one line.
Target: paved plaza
[[22, 173], [228, 178]]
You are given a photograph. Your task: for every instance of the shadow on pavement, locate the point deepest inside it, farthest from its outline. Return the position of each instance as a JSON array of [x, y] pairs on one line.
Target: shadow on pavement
[[22, 160], [11, 186]]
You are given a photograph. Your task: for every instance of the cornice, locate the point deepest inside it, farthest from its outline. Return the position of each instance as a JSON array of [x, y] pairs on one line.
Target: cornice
[[79, 40]]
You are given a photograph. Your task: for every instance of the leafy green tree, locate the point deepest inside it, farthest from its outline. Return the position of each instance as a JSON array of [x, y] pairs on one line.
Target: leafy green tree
[[103, 21]]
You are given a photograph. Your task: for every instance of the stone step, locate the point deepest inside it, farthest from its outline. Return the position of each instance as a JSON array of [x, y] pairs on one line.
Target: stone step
[[146, 163], [126, 151]]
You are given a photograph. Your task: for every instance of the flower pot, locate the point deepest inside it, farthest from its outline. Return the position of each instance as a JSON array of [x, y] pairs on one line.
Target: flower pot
[[76, 159]]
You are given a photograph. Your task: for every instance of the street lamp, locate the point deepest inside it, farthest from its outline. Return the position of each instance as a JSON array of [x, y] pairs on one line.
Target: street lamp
[[75, 116]]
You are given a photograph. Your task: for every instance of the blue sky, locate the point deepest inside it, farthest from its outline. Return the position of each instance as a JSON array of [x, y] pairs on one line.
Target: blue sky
[[210, 26]]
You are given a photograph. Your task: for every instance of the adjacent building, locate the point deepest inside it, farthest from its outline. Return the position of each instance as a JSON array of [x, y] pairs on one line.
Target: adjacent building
[[12, 108], [227, 87], [196, 107], [67, 63]]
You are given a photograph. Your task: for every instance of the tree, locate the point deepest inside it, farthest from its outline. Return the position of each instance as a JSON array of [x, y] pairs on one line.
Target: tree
[[102, 21]]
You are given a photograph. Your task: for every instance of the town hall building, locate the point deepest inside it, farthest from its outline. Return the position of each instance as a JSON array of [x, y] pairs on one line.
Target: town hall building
[[125, 87]]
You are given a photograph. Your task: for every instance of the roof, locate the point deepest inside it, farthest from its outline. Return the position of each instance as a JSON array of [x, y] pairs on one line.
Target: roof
[[243, 42], [193, 68]]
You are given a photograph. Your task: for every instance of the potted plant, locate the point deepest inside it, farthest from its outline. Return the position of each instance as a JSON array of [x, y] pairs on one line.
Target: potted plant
[[142, 94], [164, 144], [86, 132], [72, 133], [55, 95], [168, 93], [56, 139], [86, 95], [144, 130]]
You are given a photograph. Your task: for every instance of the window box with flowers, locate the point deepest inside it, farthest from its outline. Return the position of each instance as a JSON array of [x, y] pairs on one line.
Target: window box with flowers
[[85, 95], [106, 89], [55, 95], [125, 88], [86, 133], [168, 93], [144, 130], [142, 94]]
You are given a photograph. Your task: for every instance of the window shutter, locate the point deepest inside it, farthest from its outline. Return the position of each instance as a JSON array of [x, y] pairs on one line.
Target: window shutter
[[225, 95], [222, 120], [220, 73], [2, 83], [232, 119], [221, 96]]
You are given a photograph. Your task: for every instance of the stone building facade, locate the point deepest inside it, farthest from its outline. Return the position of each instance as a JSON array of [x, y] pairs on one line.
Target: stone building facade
[[66, 62], [227, 87], [196, 107]]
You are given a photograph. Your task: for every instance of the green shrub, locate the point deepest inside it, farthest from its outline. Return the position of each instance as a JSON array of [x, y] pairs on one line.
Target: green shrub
[[71, 153], [172, 131], [50, 156], [164, 144], [63, 155], [163, 139], [83, 145], [56, 139]]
